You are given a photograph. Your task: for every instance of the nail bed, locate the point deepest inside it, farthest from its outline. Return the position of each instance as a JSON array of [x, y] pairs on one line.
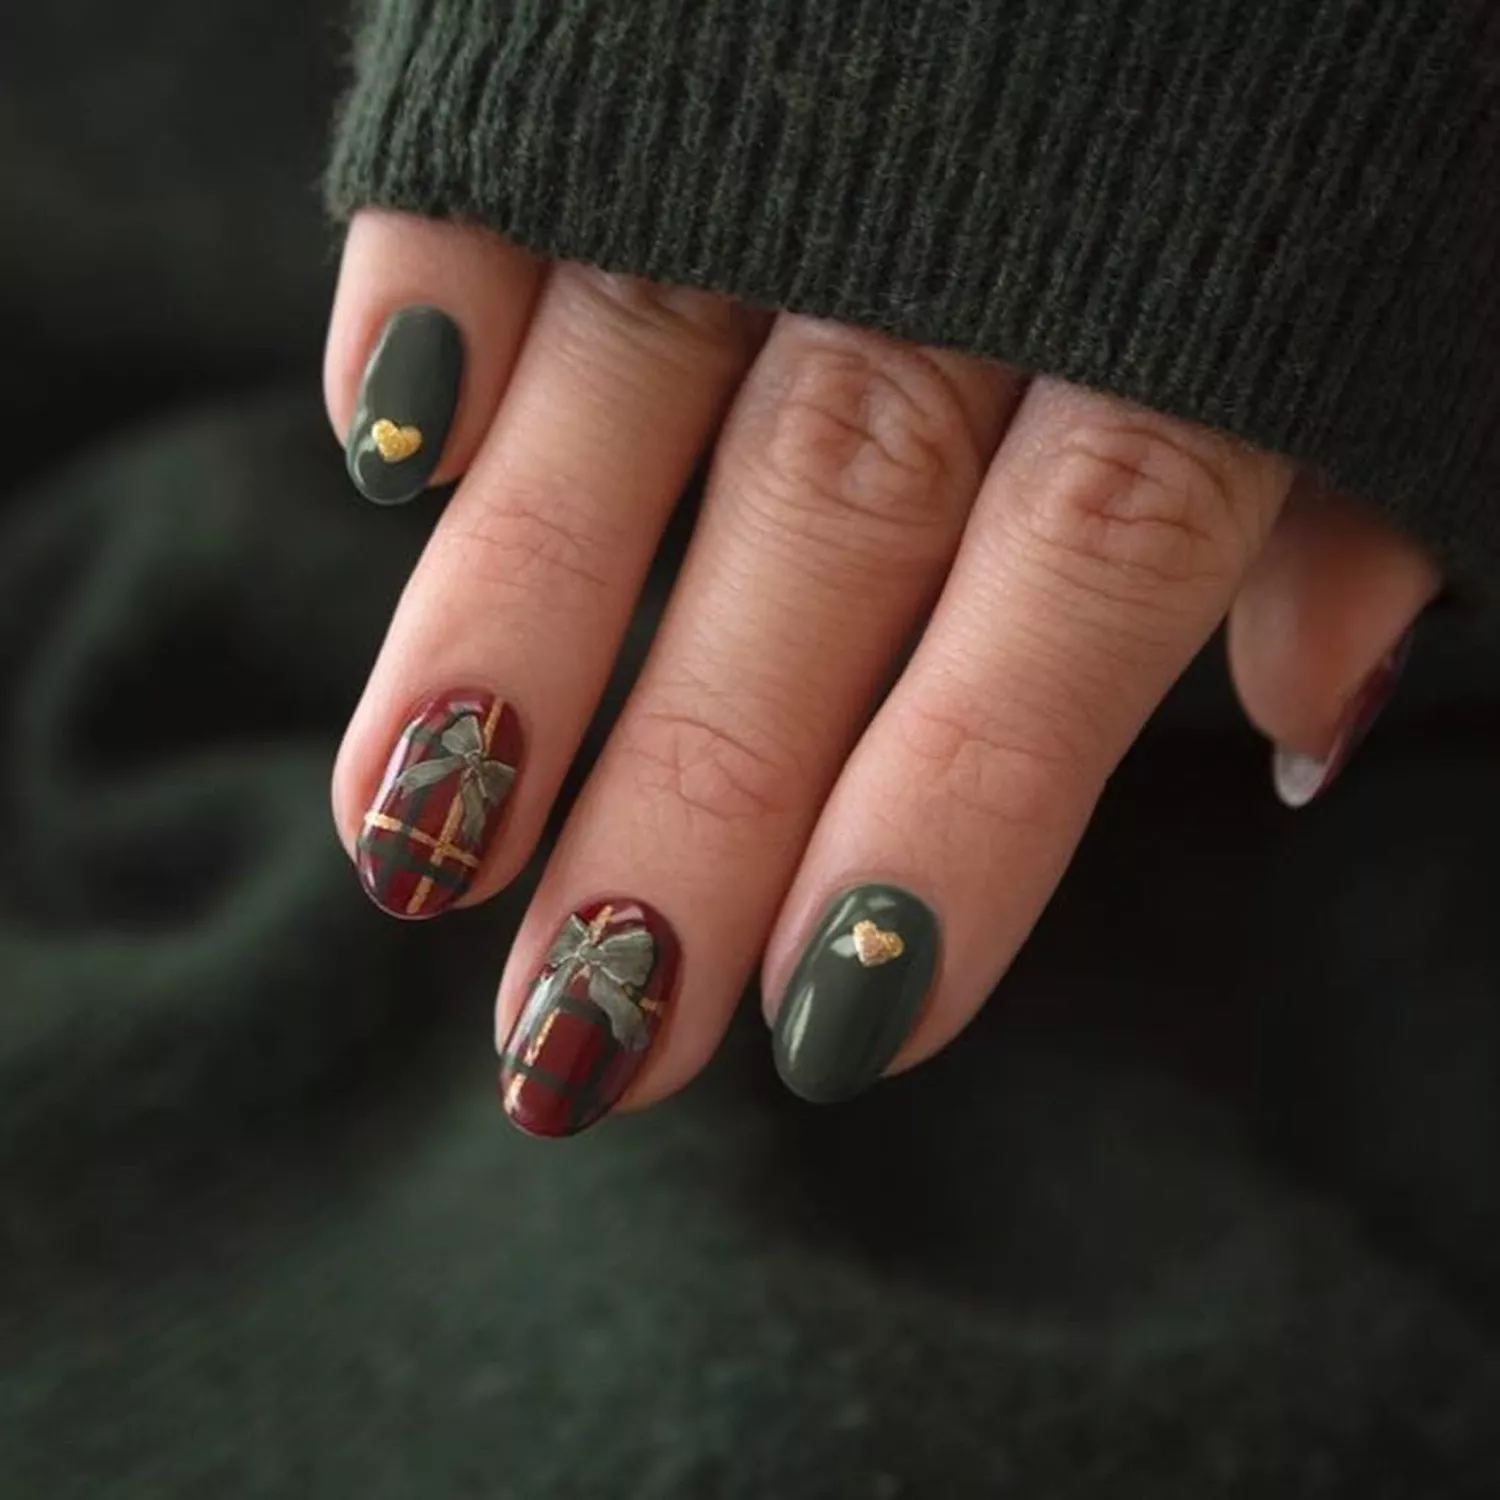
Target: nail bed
[[857, 991], [407, 401]]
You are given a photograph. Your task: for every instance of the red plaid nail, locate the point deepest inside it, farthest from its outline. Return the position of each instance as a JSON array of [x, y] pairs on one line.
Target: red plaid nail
[[591, 1015], [440, 803]]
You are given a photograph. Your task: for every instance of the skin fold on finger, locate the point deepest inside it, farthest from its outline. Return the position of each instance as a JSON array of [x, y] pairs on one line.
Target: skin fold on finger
[[526, 586], [1324, 606], [447, 304], [838, 494], [1103, 551]]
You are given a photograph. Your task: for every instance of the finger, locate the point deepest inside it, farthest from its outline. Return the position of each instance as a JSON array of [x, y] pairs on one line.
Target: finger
[[1103, 551], [524, 591], [838, 494], [1319, 633], [427, 322]]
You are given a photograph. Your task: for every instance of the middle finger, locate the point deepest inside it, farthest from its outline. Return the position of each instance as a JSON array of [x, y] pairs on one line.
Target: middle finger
[[840, 491]]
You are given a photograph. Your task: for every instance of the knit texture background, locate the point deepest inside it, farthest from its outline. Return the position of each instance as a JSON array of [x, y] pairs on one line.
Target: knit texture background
[[1205, 1206], [1280, 218]]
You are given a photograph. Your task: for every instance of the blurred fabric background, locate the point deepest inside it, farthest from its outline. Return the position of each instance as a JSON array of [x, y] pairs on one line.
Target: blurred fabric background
[[1207, 1204]]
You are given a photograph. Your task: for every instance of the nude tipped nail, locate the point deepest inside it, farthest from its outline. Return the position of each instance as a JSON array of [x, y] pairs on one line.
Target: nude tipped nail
[[1300, 779]]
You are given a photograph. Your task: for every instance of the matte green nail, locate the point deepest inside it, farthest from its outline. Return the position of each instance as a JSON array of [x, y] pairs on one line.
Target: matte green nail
[[857, 992], [406, 405]]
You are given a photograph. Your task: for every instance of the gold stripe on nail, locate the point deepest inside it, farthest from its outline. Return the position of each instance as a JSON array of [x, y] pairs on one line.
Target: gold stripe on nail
[[442, 851], [451, 822]]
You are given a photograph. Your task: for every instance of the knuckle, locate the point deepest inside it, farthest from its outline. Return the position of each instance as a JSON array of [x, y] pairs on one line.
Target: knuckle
[[1136, 506], [536, 543], [730, 777], [861, 427], [654, 314], [989, 768]]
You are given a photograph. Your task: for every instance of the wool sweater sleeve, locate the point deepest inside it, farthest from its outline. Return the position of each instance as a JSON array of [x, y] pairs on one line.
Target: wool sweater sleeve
[[1280, 218]]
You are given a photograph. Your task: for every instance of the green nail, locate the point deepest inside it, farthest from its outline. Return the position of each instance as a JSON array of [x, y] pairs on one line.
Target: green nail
[[857, 992], [406, 405]]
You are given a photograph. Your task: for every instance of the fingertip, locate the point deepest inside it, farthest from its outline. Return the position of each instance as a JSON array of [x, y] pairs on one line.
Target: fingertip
[[1322, 617], [427, 322]]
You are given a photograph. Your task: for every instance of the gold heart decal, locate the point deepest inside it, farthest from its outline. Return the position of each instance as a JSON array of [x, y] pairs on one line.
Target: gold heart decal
[[395, 443], [874, 946]]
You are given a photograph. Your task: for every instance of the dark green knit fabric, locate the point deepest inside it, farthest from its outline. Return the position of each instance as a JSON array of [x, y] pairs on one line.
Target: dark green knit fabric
[[1280, 218], [1206, 1206]]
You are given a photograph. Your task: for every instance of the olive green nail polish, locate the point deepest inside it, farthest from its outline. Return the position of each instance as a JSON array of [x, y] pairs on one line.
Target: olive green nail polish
[[857, 992], [406, 405]]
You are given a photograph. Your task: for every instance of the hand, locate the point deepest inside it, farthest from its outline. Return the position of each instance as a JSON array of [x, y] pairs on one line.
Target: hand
[[1057, 555]]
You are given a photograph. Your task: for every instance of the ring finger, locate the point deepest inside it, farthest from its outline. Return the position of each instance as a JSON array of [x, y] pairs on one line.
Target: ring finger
[[1104, 549]]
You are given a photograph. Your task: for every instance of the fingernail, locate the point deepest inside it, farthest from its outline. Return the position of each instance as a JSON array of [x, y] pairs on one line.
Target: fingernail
[[440, 803], [856, 994], [1298, 779], [590, 1016], [406, 405]]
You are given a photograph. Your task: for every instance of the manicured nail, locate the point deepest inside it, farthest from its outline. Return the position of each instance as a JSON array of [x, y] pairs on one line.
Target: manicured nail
[[406, 405], [439, 806], [1300, 778], [592, 1012], [856, 994]]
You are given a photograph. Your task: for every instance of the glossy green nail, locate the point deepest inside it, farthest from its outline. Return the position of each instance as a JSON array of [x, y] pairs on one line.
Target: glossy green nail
[[857, 992], [406, 405]]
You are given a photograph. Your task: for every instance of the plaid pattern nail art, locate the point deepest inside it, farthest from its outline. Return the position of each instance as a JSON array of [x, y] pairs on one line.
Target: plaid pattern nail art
[[590, 1017], [440, 803]]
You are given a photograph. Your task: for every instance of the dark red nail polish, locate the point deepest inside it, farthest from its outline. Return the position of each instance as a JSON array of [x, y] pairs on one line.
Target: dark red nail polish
[[590, 1017], [440, 803], [1299, 779]]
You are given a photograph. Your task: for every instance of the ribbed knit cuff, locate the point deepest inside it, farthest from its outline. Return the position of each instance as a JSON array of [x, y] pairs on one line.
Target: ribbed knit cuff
[[1278, 218]]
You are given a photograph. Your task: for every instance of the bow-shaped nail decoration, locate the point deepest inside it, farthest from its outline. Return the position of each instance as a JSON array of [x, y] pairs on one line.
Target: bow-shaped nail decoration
[[482, 783], [618, 967]]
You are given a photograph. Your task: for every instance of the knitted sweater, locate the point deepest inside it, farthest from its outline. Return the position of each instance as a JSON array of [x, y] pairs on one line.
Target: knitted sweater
[[1281, 219], [1205, 1205]]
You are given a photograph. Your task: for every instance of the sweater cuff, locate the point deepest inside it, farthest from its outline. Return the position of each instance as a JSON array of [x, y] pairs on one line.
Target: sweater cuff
[[1279, 219]]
